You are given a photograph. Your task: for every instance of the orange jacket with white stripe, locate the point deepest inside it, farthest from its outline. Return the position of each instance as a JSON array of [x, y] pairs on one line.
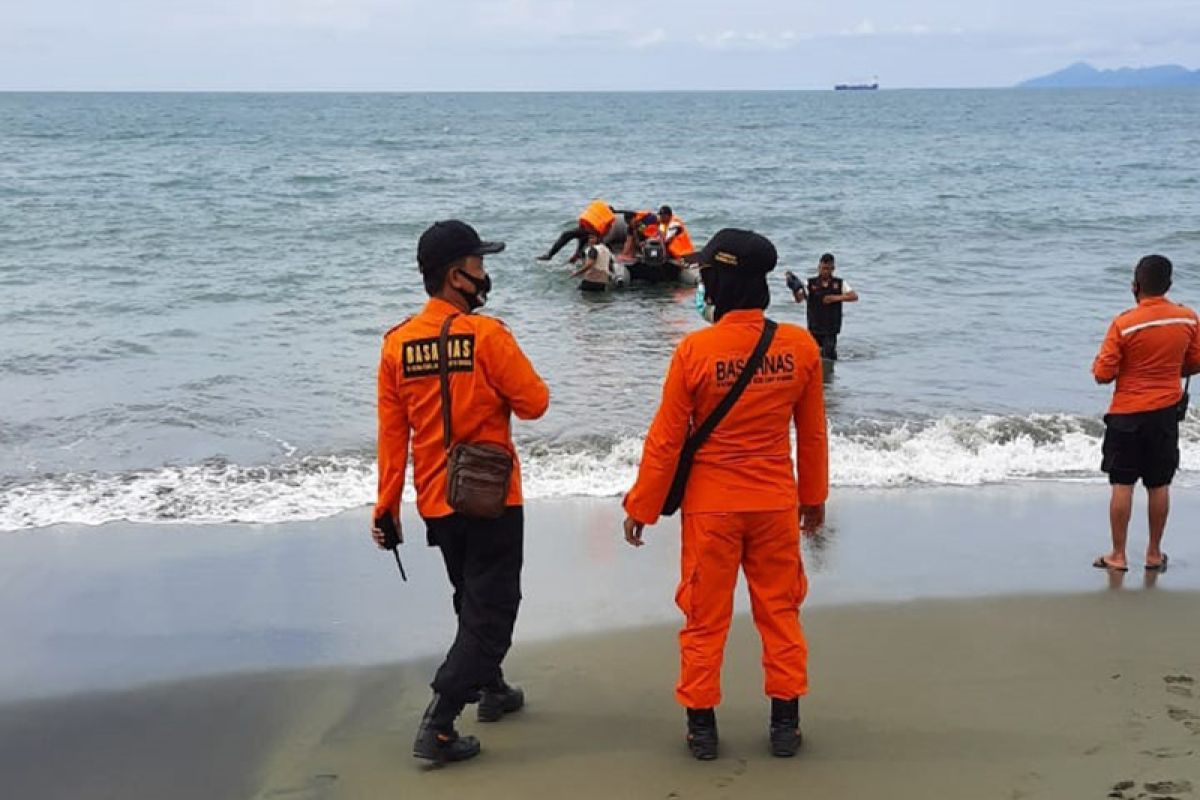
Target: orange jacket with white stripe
[[490, 378], [746, 464], [1146, 350], [679, 242]]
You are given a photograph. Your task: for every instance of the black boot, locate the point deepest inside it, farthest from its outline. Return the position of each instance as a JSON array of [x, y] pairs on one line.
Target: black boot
[[702, 733], [437, 740], [785, 727], [498, 700]]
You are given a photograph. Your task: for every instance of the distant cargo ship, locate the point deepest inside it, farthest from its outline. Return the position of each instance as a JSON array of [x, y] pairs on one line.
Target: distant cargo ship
[[857, 87]]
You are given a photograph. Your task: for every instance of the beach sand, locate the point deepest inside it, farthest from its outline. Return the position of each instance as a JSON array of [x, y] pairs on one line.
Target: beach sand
[[924, 682], [1063, 696]]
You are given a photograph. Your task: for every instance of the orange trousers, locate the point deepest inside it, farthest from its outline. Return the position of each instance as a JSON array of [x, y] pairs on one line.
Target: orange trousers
[[766, 545]]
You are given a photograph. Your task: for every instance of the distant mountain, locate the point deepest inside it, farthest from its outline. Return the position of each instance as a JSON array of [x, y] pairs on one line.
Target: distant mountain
[[1085, 75]]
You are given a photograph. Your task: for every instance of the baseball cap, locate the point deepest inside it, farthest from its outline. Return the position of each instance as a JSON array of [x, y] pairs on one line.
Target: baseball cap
[[448, 240], [740, 249]]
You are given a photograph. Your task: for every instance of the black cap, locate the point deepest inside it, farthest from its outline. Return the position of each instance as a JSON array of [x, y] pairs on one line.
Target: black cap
[[743, 250], [448, 240]]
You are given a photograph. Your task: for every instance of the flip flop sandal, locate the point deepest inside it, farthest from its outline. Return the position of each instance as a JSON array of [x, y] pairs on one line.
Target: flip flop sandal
[[1102, 563], [1159, 567]]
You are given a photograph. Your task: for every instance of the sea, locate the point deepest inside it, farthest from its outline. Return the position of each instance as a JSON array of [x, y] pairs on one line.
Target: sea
[[194, 287]]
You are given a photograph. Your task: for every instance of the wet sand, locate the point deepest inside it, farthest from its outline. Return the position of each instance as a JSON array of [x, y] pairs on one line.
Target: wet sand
[[960, 646], [1047, 696]]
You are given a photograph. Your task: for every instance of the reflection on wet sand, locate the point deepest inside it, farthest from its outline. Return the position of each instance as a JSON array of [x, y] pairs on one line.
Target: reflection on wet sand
[[817, 547]]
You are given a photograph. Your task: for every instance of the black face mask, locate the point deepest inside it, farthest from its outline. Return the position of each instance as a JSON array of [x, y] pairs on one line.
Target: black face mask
[[482, 287]]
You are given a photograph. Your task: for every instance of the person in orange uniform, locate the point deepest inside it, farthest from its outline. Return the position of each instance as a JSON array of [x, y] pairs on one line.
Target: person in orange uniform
[[745, 502], [675, 234], [490, 378], [1146, 351], [597, 219]]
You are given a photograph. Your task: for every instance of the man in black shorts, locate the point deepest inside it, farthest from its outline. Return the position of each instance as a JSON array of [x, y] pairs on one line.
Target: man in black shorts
[[1146, 351]]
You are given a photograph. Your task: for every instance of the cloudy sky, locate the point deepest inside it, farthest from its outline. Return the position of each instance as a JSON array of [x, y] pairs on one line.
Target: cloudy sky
[[569, 44]]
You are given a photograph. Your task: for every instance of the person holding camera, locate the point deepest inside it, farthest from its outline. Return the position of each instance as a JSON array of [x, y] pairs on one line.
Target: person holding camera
[[449, 381], [1146, 351]]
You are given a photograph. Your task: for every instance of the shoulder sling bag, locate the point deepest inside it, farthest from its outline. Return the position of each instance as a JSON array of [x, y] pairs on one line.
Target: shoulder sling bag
[[477, 475], [698, 437]]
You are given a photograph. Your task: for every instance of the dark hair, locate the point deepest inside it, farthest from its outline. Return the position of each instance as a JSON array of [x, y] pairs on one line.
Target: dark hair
[[435, 277], [1153, 275], [826, 258], [665, 210]]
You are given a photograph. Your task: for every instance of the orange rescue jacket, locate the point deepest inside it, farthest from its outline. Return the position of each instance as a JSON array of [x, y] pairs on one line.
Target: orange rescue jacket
[[681, 245], [598, 218], [489, 376], [1147, 349], [646, 231], [746, 464]]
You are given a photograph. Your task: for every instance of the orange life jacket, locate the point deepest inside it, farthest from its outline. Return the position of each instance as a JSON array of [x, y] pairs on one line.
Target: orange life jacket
[[639, 224], [681, 245], [598, 217]]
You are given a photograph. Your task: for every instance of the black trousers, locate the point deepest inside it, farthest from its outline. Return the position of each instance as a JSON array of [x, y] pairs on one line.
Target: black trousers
[[579, 234], [828, 344], [483, 560]]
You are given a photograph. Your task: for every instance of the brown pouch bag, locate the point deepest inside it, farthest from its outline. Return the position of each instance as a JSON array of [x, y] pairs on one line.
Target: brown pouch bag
[[477, 475]]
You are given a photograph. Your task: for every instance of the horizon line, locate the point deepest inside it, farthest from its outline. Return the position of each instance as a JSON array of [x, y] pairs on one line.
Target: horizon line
[[797, 90]]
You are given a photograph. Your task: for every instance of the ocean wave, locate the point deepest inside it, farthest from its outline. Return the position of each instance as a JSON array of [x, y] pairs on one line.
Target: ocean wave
[[948, 451]]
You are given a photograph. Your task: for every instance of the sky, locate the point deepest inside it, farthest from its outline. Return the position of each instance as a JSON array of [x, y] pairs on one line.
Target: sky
[[554, 45]]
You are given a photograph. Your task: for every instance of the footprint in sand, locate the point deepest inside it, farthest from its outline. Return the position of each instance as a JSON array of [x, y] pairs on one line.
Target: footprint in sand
[[1180, 685], [1118, 790], [738, 770], [1168, 787], [1182, 714], [1186, 679], [1167, 752], [315, 787]]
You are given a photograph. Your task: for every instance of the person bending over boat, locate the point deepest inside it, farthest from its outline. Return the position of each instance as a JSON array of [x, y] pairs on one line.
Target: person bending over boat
[[641, 225], [597, 218]]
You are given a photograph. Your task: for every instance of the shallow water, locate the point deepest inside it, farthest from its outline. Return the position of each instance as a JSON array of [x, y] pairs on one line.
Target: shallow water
[[193, 287]]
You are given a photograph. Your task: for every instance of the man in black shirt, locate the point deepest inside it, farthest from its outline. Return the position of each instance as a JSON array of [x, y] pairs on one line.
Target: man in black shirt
[[825, 295]]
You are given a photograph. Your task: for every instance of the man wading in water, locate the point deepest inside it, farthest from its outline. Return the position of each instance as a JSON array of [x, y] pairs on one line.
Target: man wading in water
[[825, 295]]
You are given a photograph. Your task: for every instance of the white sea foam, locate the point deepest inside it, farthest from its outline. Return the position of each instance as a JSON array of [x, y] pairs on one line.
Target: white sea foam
[[949, 452]]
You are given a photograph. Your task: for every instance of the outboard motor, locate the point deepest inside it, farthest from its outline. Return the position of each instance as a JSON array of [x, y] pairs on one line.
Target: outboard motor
[[654, 253]]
